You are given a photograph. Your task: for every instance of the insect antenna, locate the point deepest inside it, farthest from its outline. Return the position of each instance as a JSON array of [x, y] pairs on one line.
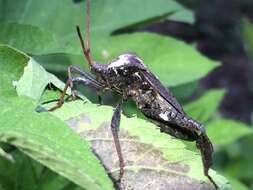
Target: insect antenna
[[86, 46]]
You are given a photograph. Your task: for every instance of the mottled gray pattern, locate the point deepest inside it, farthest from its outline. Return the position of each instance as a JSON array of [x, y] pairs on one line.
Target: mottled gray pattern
[[169, 176]]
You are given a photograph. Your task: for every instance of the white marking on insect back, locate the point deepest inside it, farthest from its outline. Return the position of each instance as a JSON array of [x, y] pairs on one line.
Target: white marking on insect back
[[120, 61], [125, 59], [164, 116]]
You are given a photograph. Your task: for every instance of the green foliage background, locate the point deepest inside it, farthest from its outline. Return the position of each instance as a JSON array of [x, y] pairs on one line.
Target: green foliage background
[[39, 35]]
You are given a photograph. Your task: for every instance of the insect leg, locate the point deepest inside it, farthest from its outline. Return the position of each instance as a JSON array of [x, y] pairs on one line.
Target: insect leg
[[99, 98], [85, 79], [115, 129], [92, 82], [206, 148]]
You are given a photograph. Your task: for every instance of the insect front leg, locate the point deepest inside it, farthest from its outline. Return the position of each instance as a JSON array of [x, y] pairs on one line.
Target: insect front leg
[[115, 123], [85, 79]]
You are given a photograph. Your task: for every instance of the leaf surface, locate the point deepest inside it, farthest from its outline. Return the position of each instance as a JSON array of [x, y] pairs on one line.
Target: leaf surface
[[232, 130], [41, 135], [206, 106], [148, 154]]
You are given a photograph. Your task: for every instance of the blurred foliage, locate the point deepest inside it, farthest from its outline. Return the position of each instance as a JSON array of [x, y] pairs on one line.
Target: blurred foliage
[[248, 36], [44, 32]]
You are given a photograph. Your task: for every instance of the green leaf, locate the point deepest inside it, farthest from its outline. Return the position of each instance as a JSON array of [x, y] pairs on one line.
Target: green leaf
[[236, 184], [223, 132], [35, 29], [49, 141], [38, 32], [184, 91], [50, 180], [34, 81], [28, 38], [184, 15], [241, 168], [206, 106], [6, 155], [103, 19], [12, 63], [42, 136], [26, 173], [18, 174], [145, 149], [248, 36]]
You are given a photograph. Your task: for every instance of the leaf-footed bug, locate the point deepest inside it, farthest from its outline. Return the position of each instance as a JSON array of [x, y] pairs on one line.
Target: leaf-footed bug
[[130, 77]]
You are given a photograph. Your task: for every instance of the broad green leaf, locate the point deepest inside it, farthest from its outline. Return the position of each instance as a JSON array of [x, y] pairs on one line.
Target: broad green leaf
[[223, 132], [145, 149], [58, 63], [51, 142], [205, 107], [28, 38], [173, 61], [184, 91], [54, 17], [35, 27]]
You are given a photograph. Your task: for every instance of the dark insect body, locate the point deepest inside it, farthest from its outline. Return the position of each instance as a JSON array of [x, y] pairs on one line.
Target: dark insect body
[[130, 77]]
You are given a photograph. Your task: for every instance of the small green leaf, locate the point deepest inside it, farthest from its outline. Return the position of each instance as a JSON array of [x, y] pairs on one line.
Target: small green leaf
[[12, 63], [34, 81], [222, 132], [206, 106]]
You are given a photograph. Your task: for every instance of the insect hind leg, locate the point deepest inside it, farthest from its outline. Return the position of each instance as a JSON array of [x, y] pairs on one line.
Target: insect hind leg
[[206, 148], [115, 123]]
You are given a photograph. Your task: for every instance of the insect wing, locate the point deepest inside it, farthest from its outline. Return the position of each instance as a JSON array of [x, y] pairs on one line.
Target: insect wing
[[162, 90]]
